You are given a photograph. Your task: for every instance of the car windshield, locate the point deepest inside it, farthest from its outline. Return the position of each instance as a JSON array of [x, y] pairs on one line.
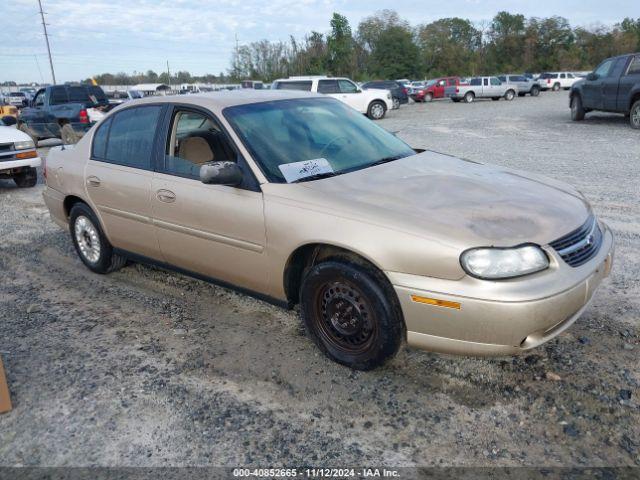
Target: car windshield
[[429, 83], [312, 130]]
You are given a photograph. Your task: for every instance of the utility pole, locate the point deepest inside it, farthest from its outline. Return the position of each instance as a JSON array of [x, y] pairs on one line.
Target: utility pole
[[46, 37], [168, 75]]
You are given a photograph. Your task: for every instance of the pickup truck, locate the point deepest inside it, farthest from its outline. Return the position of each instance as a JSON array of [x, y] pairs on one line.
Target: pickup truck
[[435, 88], [481, 87], [614, 86], [18, 156], [63, 111]]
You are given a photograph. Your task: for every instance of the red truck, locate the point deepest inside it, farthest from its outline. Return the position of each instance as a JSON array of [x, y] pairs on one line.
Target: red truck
[[435, 89]]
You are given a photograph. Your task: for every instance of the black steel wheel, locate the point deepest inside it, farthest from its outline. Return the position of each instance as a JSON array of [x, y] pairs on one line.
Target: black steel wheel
[[350, 316]]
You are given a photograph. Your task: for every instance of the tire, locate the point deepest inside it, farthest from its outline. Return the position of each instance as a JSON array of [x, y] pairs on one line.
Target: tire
[[428, 97], [495, 99], [86, 234], [469, 97], [27, 178], [23, 128], [376, 110], [396, 103], [556, 87], [634, 115], [577, 110], [535, 91], [509, 95], [330, 294], [68, 135]]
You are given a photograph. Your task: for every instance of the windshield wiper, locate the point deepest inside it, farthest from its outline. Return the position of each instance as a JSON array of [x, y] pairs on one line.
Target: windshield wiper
[[386, 160], [317, 176]]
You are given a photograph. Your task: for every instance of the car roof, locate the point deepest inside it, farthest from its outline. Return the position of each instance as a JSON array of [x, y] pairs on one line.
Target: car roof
[[227, 98]]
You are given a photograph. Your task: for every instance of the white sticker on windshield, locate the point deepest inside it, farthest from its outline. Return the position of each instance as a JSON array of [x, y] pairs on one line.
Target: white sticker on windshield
[[306, 168]]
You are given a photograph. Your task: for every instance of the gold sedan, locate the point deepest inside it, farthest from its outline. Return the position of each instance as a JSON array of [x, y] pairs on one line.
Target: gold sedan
[[298, 199]]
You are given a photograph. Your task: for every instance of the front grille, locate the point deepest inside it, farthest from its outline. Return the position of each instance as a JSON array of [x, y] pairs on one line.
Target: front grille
[[6, 147], [581, 245]]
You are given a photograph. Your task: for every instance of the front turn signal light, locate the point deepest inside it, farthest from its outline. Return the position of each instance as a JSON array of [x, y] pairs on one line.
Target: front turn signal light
[[23, 155]]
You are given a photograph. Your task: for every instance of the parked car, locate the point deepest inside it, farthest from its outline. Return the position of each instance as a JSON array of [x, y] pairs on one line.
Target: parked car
[[252, 84], [294, 197], [63, 111], [18, 155], [16, 99], [435, 89], [374, 103], [556, 80], [398, 91], [482, 87], [614, 86], [415, 87], [8, 110], [522, 83], [29, 92]]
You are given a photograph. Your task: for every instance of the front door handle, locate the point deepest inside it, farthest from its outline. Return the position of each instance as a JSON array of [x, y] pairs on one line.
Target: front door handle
[[166, 196], [93, 181]]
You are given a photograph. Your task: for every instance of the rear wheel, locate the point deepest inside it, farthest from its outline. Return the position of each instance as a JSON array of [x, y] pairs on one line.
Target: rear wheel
[[634, 116], [396, 103], [68, 135], [26, 178], [577, 110], [349, 315], [556, 87], [92, 246], [535, 91], [376, 110], [469, 97], [510, 95]]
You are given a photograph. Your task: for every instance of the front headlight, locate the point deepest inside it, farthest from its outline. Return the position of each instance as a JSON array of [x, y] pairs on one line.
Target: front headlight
[[23, 145], [496, 263]]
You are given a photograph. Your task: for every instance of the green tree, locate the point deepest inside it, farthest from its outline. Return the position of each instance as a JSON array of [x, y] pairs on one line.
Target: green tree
[[395, 54], [340, 47], [449, 46]]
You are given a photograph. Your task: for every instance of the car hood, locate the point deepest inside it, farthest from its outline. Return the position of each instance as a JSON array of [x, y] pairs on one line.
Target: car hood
[[454, 201], [12, 134]]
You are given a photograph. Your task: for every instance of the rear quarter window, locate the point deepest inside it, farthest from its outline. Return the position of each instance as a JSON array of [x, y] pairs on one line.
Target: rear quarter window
[[99, 147], [131, 137], [304, 86], [634, 66], [58, 95]]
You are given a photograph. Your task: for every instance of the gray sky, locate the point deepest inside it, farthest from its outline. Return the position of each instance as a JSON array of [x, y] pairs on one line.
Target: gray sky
[[96, 36]]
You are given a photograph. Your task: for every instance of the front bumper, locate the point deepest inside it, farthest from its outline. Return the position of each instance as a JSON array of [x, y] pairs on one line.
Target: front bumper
[[10, 163], [504, 317]]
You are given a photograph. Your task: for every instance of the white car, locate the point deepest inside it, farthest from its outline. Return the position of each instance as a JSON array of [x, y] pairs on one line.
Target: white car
[[557, 80], [18, 156], [374, 103], [16, 99]]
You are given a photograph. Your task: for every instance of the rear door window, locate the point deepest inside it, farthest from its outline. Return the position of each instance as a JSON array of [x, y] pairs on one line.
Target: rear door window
[[634, 66], [329, 86], [131, 137]]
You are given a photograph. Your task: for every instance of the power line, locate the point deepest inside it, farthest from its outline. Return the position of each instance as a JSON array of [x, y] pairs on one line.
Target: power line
[[46, 37]]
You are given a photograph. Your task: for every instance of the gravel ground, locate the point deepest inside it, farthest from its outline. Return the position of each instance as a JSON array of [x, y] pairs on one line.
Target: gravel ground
[[149, 368]]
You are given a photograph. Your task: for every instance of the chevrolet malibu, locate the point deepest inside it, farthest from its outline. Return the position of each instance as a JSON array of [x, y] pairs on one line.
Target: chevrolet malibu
[[298, 199]]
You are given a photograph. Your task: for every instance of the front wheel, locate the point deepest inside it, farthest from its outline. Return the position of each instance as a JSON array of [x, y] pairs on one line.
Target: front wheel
[[349, 315], [26, 178], [577, 110], [509, 95], [91, 244], [428, 97], [634, 115], [376, 110]]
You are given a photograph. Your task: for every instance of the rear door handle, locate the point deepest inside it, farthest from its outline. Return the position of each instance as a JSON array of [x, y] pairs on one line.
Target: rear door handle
[[93, 181], [166, 196]]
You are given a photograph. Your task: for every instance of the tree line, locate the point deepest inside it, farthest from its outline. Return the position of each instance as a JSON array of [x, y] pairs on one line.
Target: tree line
[[386, 46]]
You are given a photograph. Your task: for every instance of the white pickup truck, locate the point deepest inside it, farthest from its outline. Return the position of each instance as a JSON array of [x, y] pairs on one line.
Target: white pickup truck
[[481, 87], [374, 102], [18, 156]]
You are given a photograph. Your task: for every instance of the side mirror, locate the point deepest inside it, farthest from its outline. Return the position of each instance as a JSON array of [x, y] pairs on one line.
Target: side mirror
[[9, 120], [221, 173], [592, 76]]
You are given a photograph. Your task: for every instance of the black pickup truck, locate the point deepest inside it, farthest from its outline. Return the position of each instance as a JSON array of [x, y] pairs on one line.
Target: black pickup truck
[[62, 111], [612, 87]]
